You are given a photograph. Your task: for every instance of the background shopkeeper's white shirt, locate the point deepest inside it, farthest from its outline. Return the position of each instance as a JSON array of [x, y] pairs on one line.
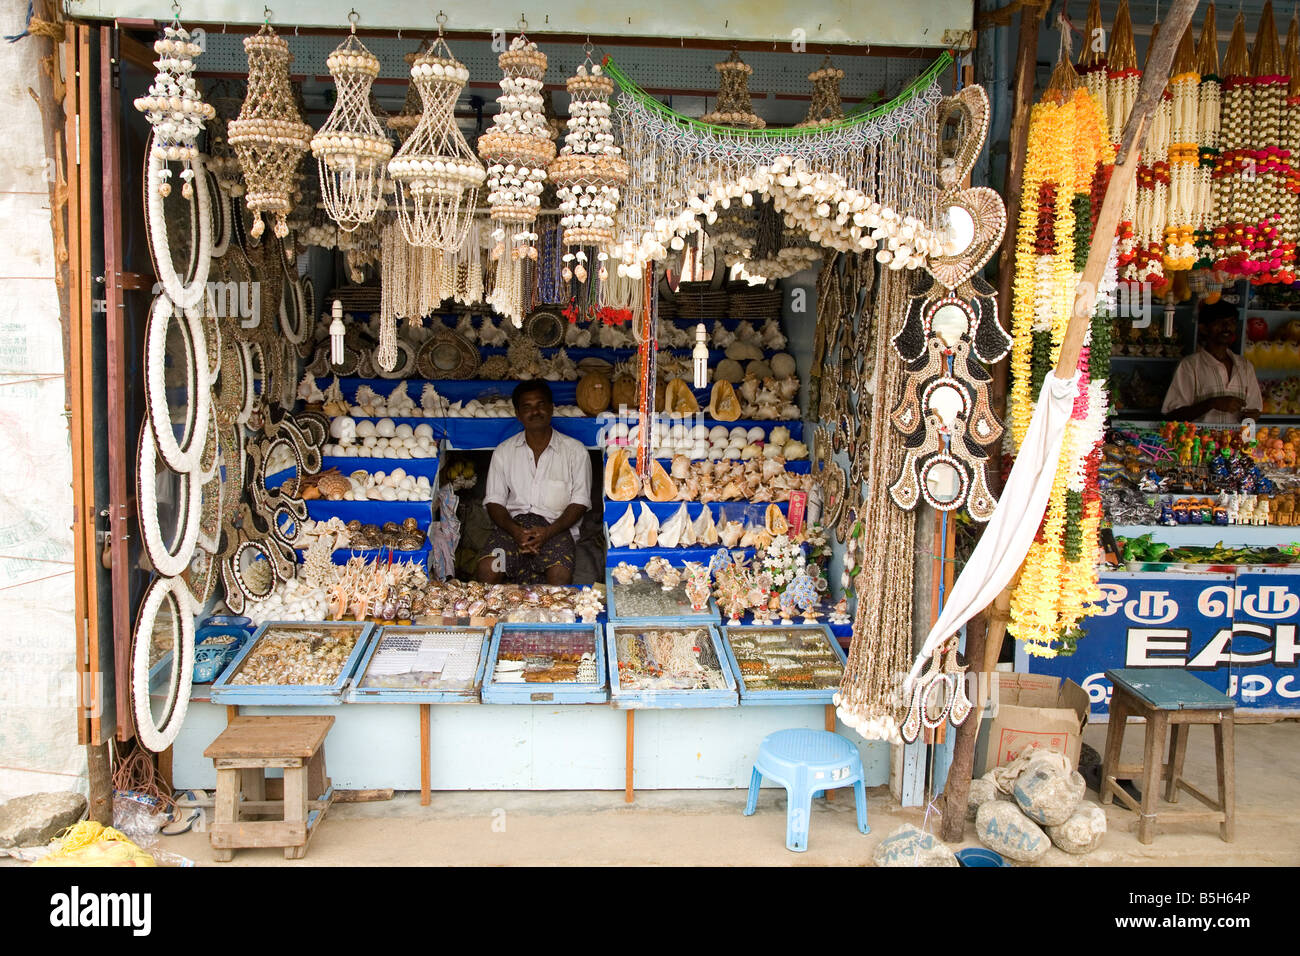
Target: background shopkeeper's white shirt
[[1201, 376], [560, 477]]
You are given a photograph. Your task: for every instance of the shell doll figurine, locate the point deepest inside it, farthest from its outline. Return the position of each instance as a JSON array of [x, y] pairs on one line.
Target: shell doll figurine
[[697, 585]]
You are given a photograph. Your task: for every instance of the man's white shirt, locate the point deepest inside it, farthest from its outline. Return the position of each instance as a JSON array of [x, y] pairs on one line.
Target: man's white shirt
[[559, 477]]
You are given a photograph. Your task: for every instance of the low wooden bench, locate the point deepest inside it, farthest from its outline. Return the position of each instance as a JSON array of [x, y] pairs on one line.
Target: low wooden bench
[[1168, 698], [242, 754]]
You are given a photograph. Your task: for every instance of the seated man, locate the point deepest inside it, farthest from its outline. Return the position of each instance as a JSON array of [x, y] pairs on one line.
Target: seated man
[[538, 489]]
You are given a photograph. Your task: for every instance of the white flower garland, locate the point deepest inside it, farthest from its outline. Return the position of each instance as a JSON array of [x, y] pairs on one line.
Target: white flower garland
[[154, 735], [183, 295], [184, 460]]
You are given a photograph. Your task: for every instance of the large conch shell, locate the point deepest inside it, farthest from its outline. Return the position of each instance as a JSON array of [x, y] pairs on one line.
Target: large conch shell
[[688, 531], [621, 531], [621, 482], [775, 521], [679, 399], [731, 533], [703, 528], [670, 532], [658, 486], [646, 533], [723, 403]]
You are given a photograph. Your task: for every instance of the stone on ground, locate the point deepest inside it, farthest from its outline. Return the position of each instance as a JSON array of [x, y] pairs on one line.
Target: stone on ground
[[1048, 791], [1002, 828], [1083, 832], [982, 790], [35, 819], [909, 846]]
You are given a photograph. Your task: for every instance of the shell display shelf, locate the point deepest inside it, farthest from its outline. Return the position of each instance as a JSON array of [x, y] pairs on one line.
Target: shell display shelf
[[640, 680], [276, 664], [422, 664], [644, 601], [546, 663], [784, 663]]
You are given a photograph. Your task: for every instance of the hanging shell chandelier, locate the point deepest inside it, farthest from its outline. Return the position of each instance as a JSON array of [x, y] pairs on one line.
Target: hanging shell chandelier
[[269, 137], [589, 172], [436, 174], [734, 106], [517, 150], [826, 106], [409, 116], [351, 149], [174, 106]]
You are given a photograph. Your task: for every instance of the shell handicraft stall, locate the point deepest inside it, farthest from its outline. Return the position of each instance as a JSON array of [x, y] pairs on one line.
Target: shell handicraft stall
[[949, 331]]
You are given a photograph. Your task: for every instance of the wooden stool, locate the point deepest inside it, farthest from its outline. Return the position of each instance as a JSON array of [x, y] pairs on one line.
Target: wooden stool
[[1167, 697], [241, 754]]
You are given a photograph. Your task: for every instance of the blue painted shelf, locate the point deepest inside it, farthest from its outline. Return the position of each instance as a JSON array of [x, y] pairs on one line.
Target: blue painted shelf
[[668, 699], [224, 692], [821, 632], [366, 689], [579, 637]]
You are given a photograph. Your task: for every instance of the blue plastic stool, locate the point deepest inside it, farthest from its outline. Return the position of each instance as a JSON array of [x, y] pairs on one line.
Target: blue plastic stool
[[807, 762]]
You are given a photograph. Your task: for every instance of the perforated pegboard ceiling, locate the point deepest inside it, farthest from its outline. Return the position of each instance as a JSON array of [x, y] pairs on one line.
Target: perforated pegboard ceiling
[[688, 73]]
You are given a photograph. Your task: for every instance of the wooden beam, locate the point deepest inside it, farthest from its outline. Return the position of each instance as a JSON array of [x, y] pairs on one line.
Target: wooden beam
[[1154, 80]]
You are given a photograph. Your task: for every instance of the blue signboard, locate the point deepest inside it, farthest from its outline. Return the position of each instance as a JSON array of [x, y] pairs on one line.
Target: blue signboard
[[1235, 631]]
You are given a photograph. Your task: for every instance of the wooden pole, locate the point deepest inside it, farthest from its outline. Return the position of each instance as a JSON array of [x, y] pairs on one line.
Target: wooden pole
[[1151, 90], [627, 770], [1022, 95], [424, 754]]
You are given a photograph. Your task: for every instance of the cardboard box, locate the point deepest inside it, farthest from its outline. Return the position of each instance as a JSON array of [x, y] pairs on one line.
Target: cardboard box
[[1034, 708]]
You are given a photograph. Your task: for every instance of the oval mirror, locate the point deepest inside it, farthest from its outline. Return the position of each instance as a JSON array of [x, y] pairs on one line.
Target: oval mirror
[[179, 228], [959, 230], [177, 388], [170, 504], [946, 402], [163, 662], [943, 482], [950, 322]]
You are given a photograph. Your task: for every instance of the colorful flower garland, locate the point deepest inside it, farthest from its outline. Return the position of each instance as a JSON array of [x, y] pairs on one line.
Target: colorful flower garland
[[1066, 165]]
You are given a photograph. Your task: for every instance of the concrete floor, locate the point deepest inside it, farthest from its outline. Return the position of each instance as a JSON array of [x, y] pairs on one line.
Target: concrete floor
[[691, 828]]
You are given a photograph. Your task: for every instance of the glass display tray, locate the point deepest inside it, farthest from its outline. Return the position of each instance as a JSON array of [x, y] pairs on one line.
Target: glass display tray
[[656, 603], [226, 692], [651, 695], [398, 666], [533, 646], [751, 649]]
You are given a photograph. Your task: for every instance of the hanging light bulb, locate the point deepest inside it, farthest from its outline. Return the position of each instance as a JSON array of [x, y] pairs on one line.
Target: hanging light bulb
[[700, 357], [336, 333]]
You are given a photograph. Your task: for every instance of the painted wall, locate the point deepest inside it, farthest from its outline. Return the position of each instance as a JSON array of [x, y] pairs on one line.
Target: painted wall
[[38, 729]]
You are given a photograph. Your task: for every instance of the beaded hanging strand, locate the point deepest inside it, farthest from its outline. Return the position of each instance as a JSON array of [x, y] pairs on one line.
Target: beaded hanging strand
[[1208, 108]]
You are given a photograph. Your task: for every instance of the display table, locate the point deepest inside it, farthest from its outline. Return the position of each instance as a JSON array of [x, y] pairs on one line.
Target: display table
[[527, 746]]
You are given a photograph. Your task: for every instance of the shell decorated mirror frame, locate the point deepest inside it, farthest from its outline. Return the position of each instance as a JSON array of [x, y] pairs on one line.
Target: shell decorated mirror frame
[[169, 555], [164, 627], [951, 332]]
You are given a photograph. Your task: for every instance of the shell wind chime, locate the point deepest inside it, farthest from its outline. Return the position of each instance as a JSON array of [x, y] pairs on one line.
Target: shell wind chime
[[269, 137], [517, 149], [436, 174], [175, 108], [405, 120], [589, 173], [351, 149]]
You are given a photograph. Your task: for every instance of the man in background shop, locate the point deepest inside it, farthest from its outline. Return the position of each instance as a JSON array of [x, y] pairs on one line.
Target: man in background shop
[[1214, 384], [538, 489]]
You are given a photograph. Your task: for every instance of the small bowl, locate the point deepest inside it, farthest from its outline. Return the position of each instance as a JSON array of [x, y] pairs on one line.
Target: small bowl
[[978, 856]]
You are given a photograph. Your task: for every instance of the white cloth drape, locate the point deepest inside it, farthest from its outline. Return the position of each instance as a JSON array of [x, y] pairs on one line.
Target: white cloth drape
[[1010, 532]]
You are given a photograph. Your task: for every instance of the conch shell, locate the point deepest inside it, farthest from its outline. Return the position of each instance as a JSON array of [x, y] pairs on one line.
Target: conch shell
[[731, 533], [775, 521], [621, 531], [723, 403], [681, 467], [688, 530], [646, 533], [703, 528], [670, 532], [679, 399], [658, 486], [621, 483]]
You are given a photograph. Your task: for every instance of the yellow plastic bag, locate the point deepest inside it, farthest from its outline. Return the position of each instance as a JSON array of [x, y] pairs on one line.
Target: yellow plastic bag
[[92, 844]]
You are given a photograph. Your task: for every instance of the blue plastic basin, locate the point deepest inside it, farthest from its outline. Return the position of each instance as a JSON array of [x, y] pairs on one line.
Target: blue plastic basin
[[978, 856]]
